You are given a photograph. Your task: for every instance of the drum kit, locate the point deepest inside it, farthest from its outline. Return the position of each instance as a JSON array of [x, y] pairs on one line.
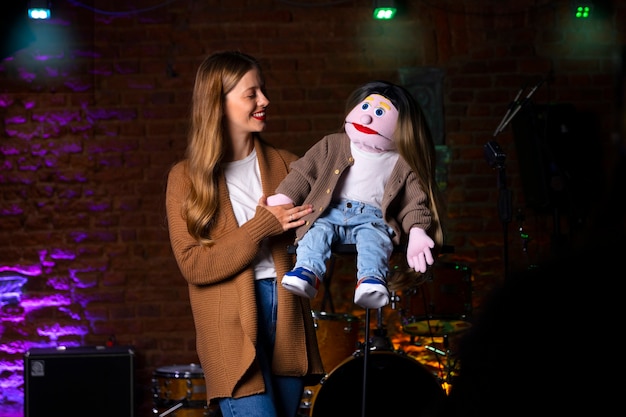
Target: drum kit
[[367, 377], [371, 376]]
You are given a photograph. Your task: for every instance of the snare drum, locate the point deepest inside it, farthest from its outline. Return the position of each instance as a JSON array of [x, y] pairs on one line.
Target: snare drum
[[179, 391], [397, 385], [441, 304]]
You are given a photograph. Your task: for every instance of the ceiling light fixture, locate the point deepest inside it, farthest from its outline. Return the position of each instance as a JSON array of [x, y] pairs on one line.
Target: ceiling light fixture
[[39, 9]]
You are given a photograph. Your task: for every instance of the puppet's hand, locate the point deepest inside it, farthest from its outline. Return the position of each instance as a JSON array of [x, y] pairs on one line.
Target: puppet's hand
[[418, 253], [278, 200]]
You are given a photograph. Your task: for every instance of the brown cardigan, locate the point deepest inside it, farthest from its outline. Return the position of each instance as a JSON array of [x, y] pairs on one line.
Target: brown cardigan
[[221, 288]]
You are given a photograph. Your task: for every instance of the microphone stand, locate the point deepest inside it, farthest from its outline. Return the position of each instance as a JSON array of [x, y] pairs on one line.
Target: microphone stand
[[516, 106], [496, 159]]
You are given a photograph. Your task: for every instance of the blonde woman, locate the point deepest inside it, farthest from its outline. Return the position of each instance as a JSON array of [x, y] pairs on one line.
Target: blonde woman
[[255, 340]]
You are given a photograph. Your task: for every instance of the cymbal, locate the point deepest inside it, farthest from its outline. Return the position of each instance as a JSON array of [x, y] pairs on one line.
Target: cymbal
[[436, 327]]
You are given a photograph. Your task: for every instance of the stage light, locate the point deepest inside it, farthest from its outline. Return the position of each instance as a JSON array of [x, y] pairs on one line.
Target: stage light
[[384, 9], [582, 9], [39, 9]]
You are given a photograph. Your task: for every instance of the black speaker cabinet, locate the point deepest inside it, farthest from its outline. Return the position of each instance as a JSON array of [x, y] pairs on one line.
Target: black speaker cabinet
[[94, 381]]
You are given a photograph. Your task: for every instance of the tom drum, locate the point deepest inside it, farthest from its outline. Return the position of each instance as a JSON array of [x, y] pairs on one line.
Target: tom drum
[[441, 304], [337, 336]]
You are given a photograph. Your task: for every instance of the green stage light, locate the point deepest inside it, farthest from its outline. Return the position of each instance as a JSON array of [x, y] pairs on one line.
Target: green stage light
[[582, 12], [384, 9], [384, 13], [582, 9]]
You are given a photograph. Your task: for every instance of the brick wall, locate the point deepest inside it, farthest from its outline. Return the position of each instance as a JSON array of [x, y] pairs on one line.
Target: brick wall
[[94, 111]]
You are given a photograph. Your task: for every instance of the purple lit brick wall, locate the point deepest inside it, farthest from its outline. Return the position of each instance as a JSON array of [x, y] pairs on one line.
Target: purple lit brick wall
[[93, 112]]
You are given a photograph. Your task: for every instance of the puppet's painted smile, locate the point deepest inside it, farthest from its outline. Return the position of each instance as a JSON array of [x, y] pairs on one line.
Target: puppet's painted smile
[[364, 129]]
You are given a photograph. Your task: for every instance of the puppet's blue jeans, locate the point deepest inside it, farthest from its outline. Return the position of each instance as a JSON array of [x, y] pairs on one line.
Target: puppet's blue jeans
[[348, 222], [282, 393]]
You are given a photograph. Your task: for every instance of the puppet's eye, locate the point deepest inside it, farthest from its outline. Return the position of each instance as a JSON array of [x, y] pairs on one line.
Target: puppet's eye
[[365, 106], [379, 112]]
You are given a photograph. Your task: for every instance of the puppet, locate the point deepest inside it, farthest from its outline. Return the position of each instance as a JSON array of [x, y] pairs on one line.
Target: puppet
[[372, 185]]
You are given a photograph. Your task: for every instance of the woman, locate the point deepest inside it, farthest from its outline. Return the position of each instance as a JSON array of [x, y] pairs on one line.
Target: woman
[[255, 340]]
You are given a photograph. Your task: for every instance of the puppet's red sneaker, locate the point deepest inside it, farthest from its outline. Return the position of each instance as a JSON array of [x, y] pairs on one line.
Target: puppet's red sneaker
[[371, 292], [302, 282]]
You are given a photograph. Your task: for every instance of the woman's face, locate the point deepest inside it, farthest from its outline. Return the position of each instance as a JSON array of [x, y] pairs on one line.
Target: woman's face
[[245, 105]]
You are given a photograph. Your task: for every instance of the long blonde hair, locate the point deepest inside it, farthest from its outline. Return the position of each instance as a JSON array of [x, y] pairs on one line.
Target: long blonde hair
[[415, 144], [216, 76]]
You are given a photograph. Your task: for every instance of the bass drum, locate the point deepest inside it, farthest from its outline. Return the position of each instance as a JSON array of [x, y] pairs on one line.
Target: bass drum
[[397, 385]]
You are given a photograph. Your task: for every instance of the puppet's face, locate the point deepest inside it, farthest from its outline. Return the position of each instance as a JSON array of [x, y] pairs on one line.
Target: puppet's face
[[370, 125]]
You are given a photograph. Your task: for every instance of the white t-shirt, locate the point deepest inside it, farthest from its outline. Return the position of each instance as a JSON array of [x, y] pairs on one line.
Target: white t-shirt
[[243, 179], [365, 180]]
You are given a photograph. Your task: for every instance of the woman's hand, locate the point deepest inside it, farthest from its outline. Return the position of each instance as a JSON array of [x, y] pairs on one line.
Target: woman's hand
[[288, 215]]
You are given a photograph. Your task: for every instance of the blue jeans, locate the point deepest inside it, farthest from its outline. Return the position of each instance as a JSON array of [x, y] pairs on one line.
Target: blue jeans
[[282, 394], [348, 222]]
